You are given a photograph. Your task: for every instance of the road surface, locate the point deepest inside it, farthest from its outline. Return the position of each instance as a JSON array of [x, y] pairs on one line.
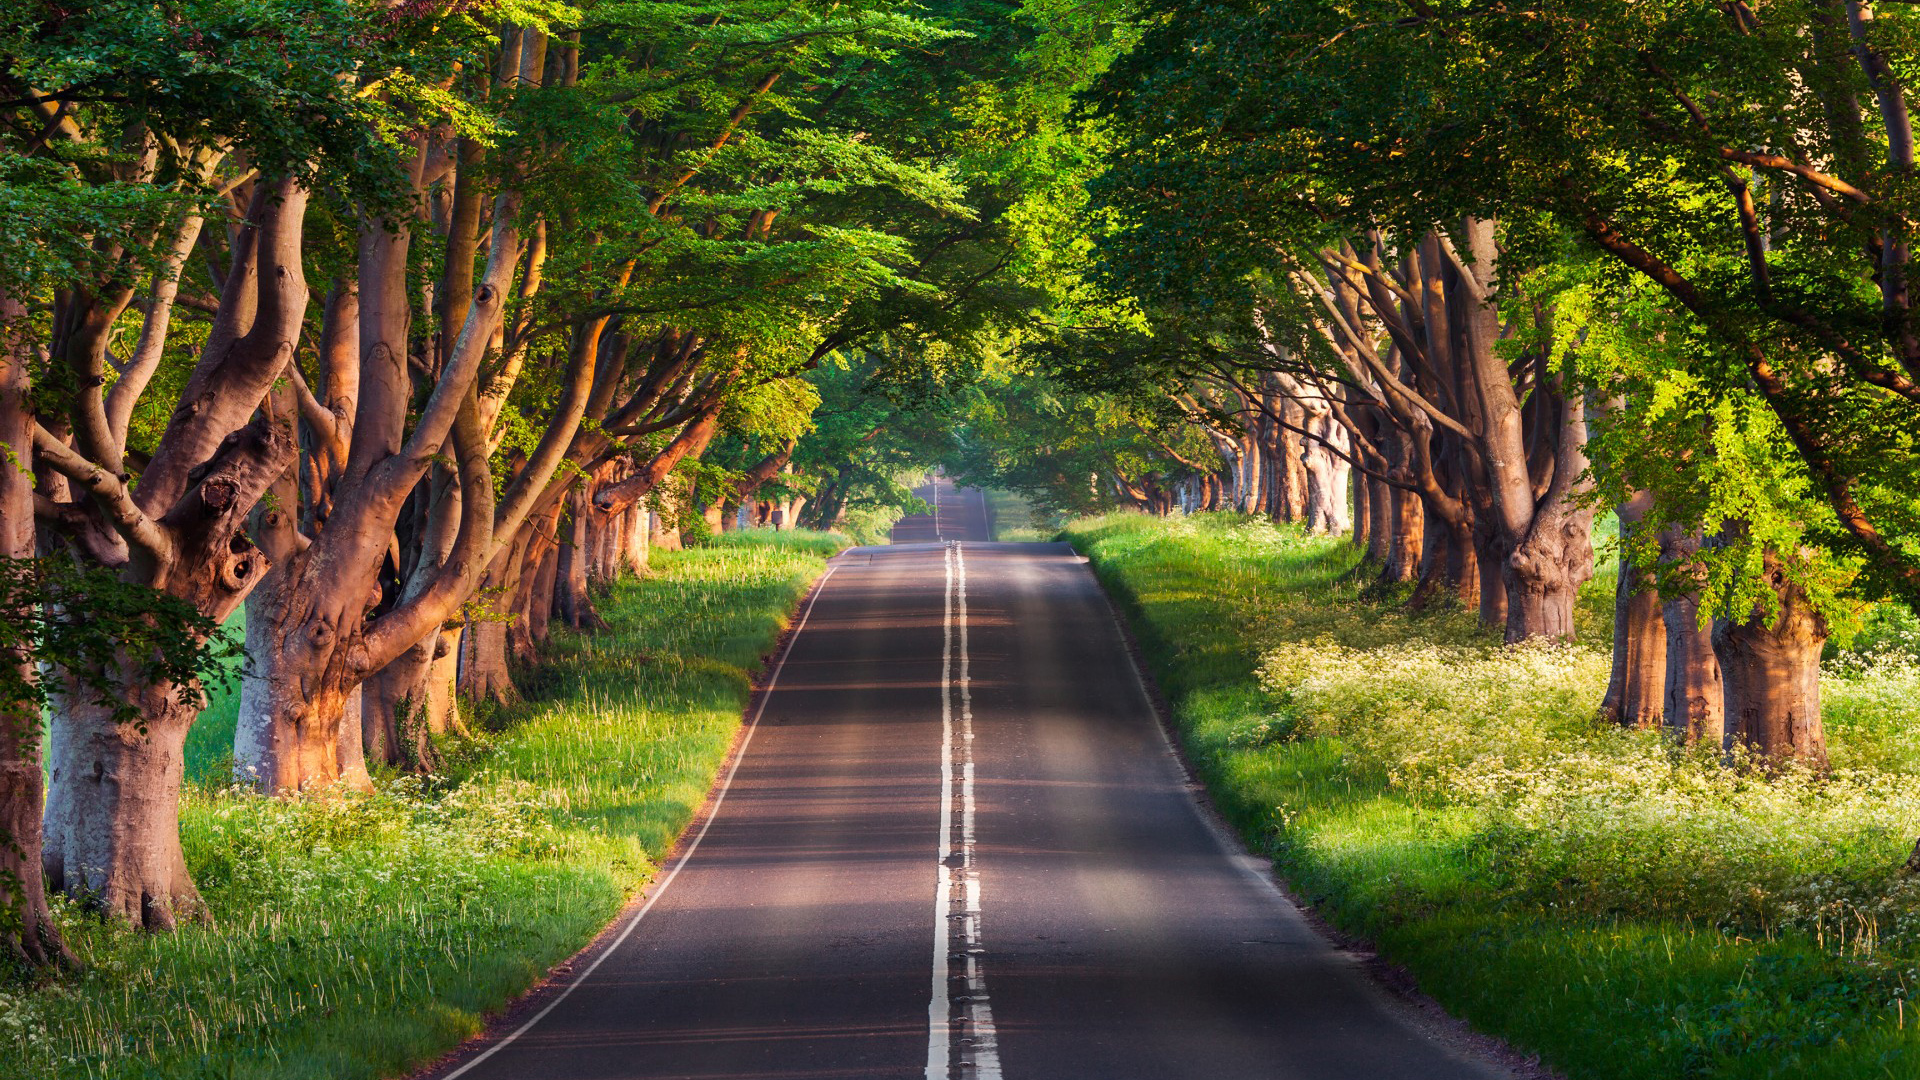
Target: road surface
[[956, 845]]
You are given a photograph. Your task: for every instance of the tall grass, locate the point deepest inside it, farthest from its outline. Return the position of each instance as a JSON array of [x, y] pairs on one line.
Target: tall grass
[[358, 936], [1623, 907]]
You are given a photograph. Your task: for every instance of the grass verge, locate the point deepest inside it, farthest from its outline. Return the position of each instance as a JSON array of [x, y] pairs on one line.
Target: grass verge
[[1626, 909], [1013, 518], [359, 936]]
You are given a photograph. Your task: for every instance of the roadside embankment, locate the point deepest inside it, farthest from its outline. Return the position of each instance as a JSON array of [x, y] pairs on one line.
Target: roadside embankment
[[357, 936], [1627, 909]]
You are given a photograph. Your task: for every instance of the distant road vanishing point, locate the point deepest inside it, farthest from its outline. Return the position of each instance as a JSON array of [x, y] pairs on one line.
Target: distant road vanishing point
[[956, 844]]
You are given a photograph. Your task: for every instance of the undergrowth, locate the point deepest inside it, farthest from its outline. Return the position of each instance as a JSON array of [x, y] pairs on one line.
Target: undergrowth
[[1625, 908], [357, 936]]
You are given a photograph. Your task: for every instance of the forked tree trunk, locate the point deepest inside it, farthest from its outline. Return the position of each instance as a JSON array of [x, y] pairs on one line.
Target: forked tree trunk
[[112, 834], [1691, 702], [113, 819], [1544, 573], [110, 830], [1770, 671], [1637, 681]]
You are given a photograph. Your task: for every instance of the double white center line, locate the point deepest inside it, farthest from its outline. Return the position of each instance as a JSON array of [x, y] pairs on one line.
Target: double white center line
[[960, 1037]]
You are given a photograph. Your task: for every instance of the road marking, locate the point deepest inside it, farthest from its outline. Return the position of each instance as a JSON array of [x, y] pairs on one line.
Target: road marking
[[1231, 847], [719, 797], [956, 877], [939, 1008]]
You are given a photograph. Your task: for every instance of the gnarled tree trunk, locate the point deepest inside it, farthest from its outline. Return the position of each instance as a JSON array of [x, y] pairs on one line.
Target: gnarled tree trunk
[[1554, 557], [1770, 672], [113, 820]]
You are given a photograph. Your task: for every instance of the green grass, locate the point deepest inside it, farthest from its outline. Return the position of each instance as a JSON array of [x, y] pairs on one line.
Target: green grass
[[1014, 519], [359, 936], [210, 740], [1625, 909]]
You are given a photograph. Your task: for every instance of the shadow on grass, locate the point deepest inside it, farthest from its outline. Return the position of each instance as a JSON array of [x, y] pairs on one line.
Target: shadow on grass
[[359, 936]]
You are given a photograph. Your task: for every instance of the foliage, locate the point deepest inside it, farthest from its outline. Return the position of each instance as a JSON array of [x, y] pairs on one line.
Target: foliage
[[83, 620], [1751, 169]]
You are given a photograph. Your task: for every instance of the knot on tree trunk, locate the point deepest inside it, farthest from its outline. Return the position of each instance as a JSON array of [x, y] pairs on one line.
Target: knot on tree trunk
[[240, 573]]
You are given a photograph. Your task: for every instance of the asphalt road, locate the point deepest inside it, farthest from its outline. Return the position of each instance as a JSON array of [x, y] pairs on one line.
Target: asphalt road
[[956, 845]]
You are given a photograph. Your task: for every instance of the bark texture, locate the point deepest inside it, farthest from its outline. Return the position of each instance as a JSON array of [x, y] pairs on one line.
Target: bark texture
[[26, 926], [1770, 672], [113, 821], [1692, 700]]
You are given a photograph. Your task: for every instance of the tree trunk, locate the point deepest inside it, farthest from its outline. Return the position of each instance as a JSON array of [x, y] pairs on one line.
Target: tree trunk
[[401, 710], [280, 742], [26, 924], [483, 670], [1544, 573], [1770, 673], [1448, 565], [1637, 681], [1405, 521], [1363, 524], [484, 674], [539, 614], [532, 593], [112, 823], [1326, 477], [639, 525], [1490, 560], [572, 601], [1691, 704], [1251, 494], [665, 533]]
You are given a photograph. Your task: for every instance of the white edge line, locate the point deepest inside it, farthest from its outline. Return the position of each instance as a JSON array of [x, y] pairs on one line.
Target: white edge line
[[1262, 870], [939, 1002], [713, 812], [1231, 846], [986, 1039]]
